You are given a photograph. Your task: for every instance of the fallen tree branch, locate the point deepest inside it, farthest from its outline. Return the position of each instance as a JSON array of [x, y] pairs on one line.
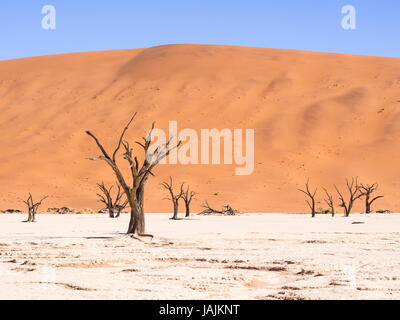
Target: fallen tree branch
[[226, 210]]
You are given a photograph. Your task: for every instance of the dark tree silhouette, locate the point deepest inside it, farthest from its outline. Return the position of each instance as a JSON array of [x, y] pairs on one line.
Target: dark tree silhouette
[[188, 197], [139, 174], [354, 193], [114, 207], [311, 195], [367, 191], [173, 197], [33, 207], [329, 201]]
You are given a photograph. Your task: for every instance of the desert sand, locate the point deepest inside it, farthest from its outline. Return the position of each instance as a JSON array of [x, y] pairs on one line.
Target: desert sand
[[252, 256], [317, 115]]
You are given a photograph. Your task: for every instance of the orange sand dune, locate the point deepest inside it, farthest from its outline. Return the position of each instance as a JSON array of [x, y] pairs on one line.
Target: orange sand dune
[[318, 115]]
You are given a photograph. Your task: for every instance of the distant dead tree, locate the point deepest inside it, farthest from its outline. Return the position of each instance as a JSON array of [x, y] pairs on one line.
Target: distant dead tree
[[367, 191], [173, 197], [311, 195], [354, 193], [187, 197], [33, 207], [114, 207], [329, 202], [139, 174]]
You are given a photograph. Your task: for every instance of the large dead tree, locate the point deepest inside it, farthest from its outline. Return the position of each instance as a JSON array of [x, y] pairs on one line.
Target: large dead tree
[[139, 173], [173, 197], [329, 201], [367, 191], [355, 193], [311, 195], [188, 197], [33, 207], [113, 206]]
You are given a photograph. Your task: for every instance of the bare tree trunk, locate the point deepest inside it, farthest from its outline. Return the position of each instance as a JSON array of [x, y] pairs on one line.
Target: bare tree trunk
[[136, 224], [31, 216], [187, 197], [367, 204], [333, 211], [111, 210], [141, 225], [349, 210], [175, 217], [120, 208], [346, 212], [313, 208], [140, 199], [132, 223]]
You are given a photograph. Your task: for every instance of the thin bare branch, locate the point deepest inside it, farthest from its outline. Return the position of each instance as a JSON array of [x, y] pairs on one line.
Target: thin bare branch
[[122, 136]]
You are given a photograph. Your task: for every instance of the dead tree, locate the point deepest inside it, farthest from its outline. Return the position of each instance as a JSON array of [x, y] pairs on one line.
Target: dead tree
[[33, 207], [114, 207], [354, 193], [173, 197], [139, 173], [188, 197], [329, 201], [311, 195], [367, 191], [208, 210]]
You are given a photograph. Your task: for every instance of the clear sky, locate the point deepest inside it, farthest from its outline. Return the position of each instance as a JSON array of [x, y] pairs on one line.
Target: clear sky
[[90, 25]]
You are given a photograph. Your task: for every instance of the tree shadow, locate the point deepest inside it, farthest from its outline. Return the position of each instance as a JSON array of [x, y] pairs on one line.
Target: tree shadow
[[94, 238]]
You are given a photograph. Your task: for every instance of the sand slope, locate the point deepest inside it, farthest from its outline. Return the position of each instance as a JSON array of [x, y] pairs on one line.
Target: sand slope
[[317, 115]]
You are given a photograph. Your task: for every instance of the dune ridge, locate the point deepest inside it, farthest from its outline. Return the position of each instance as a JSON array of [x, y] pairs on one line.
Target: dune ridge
[[318, 115]]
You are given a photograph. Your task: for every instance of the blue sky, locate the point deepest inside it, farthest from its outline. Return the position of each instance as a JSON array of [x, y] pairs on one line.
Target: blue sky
[[88, 25]]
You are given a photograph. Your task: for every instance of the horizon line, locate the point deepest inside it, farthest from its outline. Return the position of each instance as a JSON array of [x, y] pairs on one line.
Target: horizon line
[[198, 44]]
